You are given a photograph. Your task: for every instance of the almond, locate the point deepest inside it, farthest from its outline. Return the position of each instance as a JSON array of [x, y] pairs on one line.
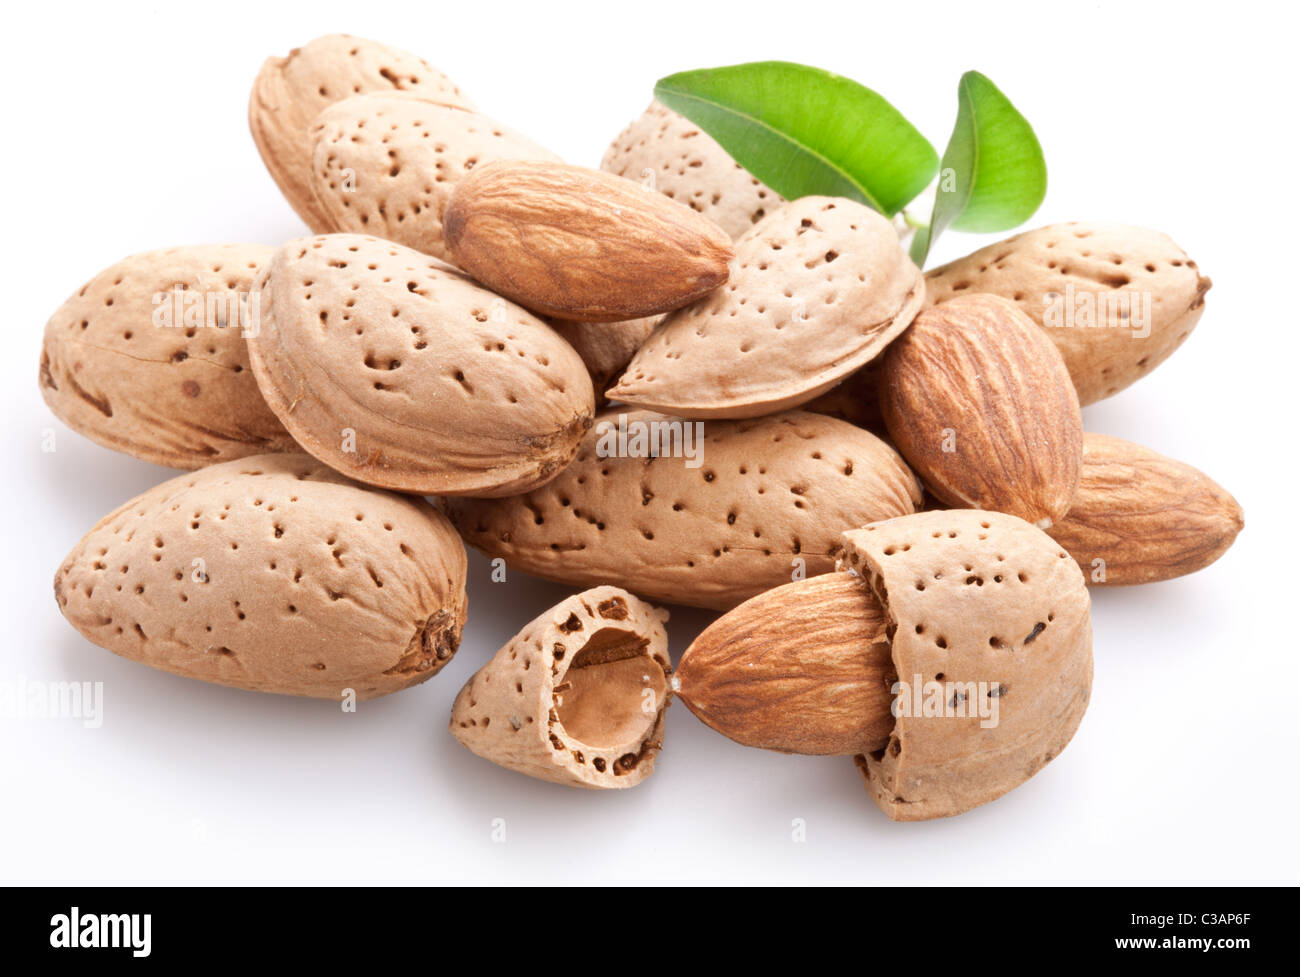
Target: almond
[[386, 163], [744, 508], [1139, 517], [978, 401], [1116, 300], [290, 92], [670, 153], [581, 244], [148, 357], [802, 668], [996, 615], [399, 371], [822, 285], [272, 573], [578, 697]]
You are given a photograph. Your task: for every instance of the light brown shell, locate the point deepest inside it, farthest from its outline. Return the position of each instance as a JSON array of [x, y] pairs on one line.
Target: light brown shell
[[766, 492], [974, 597], [290, 92], [979, 403], [386, 163], [682, 161], [128, 364], [821, 286], [606, 347], [401, 372], [272, 573], [1139, 517], [578, 697], [1097, 261]]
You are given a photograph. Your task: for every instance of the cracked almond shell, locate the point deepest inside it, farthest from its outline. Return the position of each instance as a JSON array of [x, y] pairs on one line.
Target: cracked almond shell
[[149, 358], [769, 496], [578, 697], [821, 286], [386, 163], [979, 402], [1139, 517], [272, 573], [670, 153], [290, 92], [573, 243], [1098, 262], [974, 597], [401, 372]]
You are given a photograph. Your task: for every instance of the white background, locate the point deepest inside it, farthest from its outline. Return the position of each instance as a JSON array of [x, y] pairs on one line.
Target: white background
[[126, 131]]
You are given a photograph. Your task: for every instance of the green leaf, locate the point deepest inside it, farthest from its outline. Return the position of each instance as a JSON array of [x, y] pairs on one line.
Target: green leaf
[[806, 131], [993, 175]]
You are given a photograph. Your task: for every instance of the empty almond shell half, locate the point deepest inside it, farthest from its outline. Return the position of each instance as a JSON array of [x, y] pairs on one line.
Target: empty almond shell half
[[578, 697], [991, 641]]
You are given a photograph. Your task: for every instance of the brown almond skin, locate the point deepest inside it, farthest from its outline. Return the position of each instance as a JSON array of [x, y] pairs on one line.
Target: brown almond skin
[[804, 668], [976, 376], [1144, 517], [580, 244]]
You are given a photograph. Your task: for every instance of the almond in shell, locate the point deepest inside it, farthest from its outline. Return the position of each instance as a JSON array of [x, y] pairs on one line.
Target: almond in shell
[[149, 358], [272, 573], [726, 510], [290, 92], [386, 163], [821, 286], [401, 372], [673, 155], [1116, 300]]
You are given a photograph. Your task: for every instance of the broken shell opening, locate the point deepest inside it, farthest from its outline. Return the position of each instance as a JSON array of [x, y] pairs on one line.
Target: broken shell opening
[[610, 696]]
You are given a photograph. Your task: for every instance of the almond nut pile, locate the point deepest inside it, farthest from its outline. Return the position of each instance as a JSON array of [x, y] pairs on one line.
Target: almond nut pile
[[656, 380]]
